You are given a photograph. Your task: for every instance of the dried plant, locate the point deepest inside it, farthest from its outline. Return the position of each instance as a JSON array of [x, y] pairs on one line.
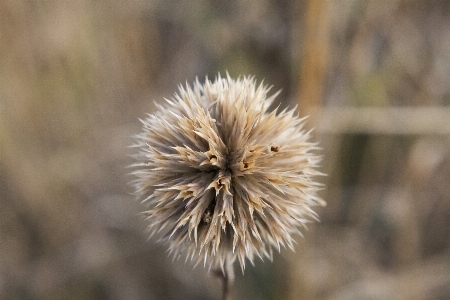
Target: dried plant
[[223, 177]]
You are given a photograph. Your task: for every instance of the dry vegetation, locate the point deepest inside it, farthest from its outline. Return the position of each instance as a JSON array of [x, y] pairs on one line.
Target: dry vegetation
[[76, 75]]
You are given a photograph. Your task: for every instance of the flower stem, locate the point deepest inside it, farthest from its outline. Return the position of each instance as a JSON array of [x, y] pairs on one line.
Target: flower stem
[[226, 274]]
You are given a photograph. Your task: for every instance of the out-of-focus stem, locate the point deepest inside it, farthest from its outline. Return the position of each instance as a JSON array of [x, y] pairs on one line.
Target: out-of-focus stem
[[315, 56]]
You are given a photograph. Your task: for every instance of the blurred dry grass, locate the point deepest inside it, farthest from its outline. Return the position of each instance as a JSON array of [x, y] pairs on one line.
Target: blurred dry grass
[[76, 75]]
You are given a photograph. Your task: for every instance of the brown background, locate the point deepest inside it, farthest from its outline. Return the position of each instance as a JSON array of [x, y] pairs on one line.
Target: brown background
[[76, 75]]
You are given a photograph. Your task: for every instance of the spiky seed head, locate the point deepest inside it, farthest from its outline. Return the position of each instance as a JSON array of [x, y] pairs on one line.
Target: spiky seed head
[[223, 177]]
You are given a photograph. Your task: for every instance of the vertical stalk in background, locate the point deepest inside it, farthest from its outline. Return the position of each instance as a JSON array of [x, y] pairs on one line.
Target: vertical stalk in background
[[313, 65], [314, 57]]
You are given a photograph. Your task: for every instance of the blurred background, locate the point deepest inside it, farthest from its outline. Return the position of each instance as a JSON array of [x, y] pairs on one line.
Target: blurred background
[[75, 76]]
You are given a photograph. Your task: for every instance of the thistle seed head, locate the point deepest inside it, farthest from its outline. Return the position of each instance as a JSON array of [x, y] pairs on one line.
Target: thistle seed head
[[222, 177]]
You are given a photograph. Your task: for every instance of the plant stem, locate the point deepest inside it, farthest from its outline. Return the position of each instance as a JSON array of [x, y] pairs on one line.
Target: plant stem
[[227, 276]]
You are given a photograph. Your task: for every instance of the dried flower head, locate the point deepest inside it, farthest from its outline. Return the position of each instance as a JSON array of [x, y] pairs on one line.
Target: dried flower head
[[223, 177]]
